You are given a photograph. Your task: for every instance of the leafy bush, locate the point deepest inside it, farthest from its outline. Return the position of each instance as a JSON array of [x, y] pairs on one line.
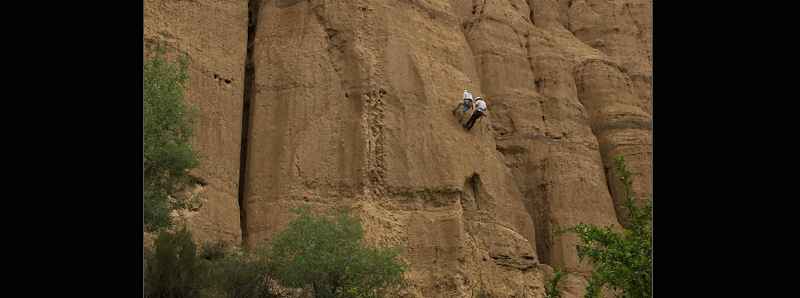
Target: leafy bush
[[240, 275], [623, 261], [174, 269], [329, 257], [214, 250], [168, 154], [551, 290]]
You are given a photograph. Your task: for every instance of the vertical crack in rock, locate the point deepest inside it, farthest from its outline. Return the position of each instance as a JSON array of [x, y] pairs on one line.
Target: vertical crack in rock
[[249, 84], [474, 182], [375, 121], [537, 82]]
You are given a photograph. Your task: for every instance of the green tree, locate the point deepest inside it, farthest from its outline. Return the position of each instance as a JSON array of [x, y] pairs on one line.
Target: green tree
[[623, 261], [240, 274], [168, 154], [329, 256], [174, 269]]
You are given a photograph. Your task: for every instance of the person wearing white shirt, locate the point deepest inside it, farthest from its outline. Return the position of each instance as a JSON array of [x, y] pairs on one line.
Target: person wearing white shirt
[[467, 100], [480, 110]]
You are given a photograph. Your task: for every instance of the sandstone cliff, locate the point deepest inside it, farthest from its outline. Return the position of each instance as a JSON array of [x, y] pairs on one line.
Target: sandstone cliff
[[347, 103]]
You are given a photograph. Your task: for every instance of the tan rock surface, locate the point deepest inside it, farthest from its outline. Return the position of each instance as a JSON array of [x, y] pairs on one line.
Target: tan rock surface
[[362, 114], [352, 106]]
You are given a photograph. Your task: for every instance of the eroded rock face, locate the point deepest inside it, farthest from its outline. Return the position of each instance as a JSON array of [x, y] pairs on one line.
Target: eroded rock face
[[352, 106], [213, 35], [361, 115]]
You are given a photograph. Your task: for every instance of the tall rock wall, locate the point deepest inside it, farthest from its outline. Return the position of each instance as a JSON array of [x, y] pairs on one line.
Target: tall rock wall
[[351, 104], [353, 107]]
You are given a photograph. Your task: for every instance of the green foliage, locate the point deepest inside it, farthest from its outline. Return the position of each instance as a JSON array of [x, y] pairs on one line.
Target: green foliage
[[174, 269], [168, 154], [551, 290], [622, 260], [213, 250], [240, 275], [326, 255], [329, 256]]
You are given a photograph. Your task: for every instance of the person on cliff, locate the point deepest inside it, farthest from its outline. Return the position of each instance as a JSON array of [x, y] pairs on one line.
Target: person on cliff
[[480, 111], [467, 102]]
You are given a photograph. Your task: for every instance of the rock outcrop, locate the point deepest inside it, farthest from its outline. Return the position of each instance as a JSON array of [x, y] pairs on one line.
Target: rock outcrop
[[350, 105]]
